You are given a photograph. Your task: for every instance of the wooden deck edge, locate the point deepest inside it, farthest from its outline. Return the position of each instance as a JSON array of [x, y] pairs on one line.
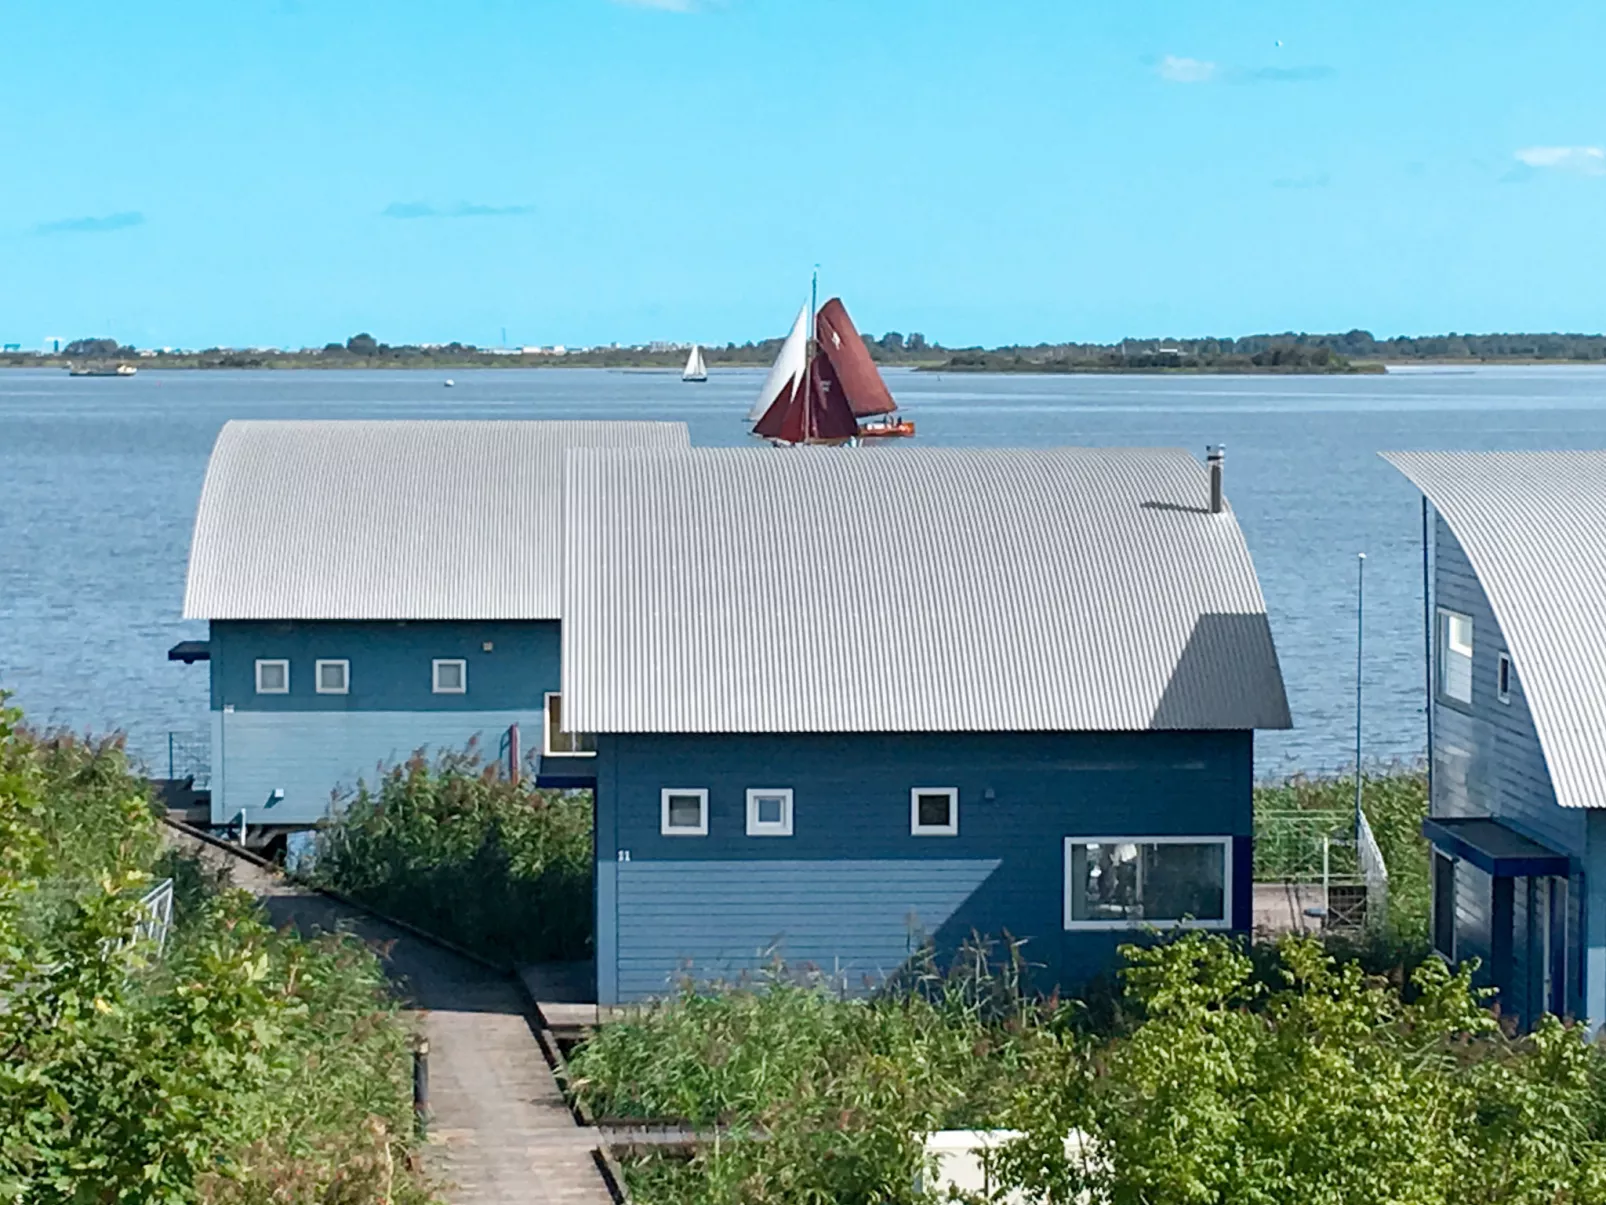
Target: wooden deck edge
[[613, 1174]]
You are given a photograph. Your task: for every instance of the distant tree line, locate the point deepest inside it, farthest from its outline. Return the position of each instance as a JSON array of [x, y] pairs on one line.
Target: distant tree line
[[1290, 351]]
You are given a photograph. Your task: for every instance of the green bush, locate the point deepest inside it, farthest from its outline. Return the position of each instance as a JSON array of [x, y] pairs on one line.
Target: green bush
[[1330, 1087], [498, 867], [238, 1065], [1323, 1084]]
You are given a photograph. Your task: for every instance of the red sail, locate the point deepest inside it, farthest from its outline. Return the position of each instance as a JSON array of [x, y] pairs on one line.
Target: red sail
[[840, 344], [816, 412], [772, 421]]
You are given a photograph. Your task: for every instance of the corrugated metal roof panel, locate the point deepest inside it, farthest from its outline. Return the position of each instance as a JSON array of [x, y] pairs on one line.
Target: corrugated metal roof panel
[[840, 590], [1533, 524], [390, 519]]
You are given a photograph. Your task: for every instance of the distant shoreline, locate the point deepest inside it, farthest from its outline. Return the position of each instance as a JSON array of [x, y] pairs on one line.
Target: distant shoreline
[[999, 366]]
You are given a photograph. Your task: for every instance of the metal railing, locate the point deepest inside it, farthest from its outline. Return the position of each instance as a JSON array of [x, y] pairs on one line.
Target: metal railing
[[189, 757], [1326, 852]]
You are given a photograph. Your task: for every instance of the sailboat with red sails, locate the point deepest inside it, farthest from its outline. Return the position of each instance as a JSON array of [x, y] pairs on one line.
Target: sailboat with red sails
[[823, 384]]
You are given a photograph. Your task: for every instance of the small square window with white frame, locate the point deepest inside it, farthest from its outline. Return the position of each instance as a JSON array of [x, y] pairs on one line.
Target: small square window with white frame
[[769, 812], [273, 677], [332, 677], [685, 812], [934, 812], [449, 676]]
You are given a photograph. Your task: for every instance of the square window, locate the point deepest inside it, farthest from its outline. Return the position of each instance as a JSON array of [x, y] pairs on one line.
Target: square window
[[685, 812], [934, 812], [450, 677], [1131, 882], [769, 812], [1455, 656], [332, 677], [273, 677], [1503, 678], [565, 744]]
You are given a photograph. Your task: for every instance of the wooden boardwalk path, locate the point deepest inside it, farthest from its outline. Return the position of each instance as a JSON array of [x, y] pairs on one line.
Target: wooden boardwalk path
[[501, 1133]]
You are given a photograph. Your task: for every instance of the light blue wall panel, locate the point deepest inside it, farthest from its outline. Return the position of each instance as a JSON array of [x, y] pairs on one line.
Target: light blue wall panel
[[856, 920], [309, 754]]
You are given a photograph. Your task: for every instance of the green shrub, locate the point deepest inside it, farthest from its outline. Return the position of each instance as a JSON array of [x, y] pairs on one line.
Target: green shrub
[[501, 868], [238, 1062]]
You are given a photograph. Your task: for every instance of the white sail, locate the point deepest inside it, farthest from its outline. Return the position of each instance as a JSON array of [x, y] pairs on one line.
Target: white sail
[[788, 368], [695, 369]]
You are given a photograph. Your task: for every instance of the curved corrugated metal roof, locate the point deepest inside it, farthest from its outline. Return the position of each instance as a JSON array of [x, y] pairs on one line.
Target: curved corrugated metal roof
[[1533, 524], [390, 519], [839, 590]]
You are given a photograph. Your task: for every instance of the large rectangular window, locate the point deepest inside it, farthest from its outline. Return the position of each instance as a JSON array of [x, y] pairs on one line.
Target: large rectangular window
[[1444, 905], [1455, 656], [565, 744], [1130, 882]]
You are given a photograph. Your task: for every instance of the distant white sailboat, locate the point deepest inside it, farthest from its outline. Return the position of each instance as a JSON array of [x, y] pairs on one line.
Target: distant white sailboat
[[695, 369]]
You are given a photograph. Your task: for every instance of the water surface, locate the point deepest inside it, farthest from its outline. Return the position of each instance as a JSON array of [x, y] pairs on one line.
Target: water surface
[[101, 476]]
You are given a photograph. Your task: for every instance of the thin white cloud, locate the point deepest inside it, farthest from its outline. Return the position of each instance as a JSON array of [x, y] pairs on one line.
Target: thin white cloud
[[1186, 71], [1585, 160]]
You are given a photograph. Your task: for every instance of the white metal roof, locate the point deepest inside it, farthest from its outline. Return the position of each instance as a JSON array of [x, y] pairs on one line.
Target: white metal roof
[[390, 519], [832, 590], [1533, 524]]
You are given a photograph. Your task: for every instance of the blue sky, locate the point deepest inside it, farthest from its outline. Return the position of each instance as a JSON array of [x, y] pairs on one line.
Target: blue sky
[[579, 171]]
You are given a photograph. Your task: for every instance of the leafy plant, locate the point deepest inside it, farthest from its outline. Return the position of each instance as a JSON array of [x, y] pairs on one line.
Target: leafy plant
[[501, 868], [238, 1058]]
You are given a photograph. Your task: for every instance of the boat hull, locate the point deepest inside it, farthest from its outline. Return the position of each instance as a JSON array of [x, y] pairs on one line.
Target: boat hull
[[903, 428]]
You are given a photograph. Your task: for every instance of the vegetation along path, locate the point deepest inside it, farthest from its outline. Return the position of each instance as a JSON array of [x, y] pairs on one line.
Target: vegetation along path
[[500, 1130]]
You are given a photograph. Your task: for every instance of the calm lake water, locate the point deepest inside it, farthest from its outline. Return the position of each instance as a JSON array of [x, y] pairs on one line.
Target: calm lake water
[[100, 478]]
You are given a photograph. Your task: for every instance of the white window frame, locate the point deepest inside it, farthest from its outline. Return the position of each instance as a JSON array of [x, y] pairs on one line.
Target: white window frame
[[1502, 678], [546, 730], [1443, 646], [1085, 926], [762, 828], [284, 663], [951, 829], [345, 676], [435, 676], [664, 827]]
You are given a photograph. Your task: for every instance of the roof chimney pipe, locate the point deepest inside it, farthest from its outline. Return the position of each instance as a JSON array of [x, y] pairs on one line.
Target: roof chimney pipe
[[1215, 457]]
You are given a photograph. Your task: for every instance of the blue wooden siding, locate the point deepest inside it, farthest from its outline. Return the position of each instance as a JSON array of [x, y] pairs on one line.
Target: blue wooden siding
[[852, 885], [391, 664], [310, 754], [1487, 761]]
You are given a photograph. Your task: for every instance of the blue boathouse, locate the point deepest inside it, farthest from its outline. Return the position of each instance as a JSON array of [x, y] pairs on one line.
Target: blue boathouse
[[375, 588], [1514, 547], [844, 702]]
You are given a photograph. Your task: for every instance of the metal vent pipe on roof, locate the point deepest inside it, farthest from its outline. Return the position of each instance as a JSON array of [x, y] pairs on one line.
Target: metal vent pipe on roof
[[1215, 458]]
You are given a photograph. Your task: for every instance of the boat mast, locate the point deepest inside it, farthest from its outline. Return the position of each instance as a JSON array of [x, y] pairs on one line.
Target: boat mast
[[809, 350]]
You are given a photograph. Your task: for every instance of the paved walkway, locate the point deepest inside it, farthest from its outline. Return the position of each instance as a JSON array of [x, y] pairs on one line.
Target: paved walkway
[[501, 1133]]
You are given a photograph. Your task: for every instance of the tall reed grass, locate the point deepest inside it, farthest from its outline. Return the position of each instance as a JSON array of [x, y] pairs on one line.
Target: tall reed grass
[[454, 847]]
